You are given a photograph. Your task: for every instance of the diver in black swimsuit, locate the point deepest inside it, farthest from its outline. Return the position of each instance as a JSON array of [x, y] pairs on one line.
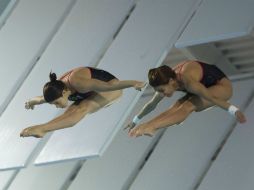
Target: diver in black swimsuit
[[98, 74], [205, 86], [89, 88]]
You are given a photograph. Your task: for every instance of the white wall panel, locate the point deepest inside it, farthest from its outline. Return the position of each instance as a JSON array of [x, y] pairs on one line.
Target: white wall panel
[[218, 20], [3, 5], [5, 178], [23, 39], [233, 169], [75, 44], [184, 152], [51, 177], [86, 33], [6, 6], [115, 168], [151, 30]]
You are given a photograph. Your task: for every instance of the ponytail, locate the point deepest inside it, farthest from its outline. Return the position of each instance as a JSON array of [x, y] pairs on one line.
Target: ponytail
[[53, 89]]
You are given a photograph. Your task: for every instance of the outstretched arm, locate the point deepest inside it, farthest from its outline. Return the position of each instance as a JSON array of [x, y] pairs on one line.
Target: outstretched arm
[[68, 119], [34, 101], [174, 115], [148, 107], [151, 105], [101, 86]]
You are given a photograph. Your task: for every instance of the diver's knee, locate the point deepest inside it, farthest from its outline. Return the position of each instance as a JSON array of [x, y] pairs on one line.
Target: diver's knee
[[188, 107], [119, 94], [86, 107]]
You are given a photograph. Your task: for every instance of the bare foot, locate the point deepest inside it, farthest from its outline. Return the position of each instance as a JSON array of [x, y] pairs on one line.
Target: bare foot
[[142, 130], [32, 131]]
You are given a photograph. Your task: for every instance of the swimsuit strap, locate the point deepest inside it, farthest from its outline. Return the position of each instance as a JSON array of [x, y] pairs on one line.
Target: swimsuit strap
[[180, 74], [68, 74], [68, 79], [181, 67], [180, 70], [64, 75]]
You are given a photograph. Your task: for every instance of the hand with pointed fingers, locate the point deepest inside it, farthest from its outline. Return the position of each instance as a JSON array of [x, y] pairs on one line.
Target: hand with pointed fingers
[[139, 85], [130, 126], [31, 103], [240, 116]]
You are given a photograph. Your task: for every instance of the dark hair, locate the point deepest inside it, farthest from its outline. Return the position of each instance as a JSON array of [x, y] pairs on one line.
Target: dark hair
[[160, 75], [53, 89]]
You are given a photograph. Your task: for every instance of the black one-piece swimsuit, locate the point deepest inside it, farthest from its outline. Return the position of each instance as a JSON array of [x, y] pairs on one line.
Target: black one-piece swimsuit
[[98, 74]]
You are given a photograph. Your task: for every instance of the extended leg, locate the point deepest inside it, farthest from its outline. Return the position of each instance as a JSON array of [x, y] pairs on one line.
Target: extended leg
[[73, 114], [165, 119], [222, 90], [181, 103]]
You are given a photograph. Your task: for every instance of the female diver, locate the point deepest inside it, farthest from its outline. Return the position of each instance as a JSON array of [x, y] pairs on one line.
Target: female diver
[[89, 88], [205, 86]]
